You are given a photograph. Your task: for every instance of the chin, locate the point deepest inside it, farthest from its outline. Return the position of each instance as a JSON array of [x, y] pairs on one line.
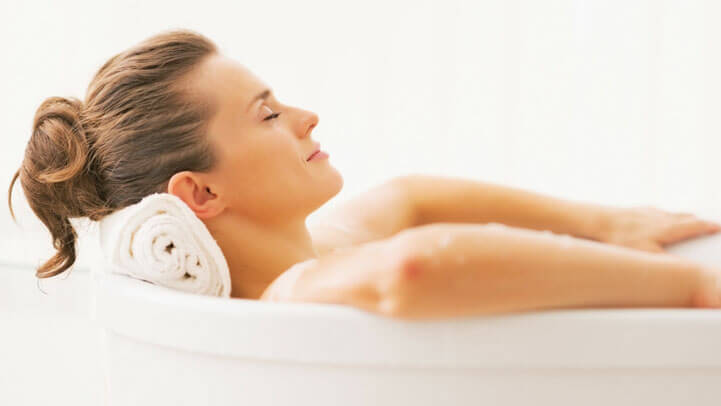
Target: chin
[[324, 188], [339, 182], [332, 185]]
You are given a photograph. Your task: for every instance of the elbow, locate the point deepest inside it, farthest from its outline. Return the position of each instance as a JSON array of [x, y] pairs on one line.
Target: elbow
[[398, 294]]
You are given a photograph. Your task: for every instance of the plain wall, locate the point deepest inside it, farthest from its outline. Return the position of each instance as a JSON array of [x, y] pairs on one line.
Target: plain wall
[[614, 102]]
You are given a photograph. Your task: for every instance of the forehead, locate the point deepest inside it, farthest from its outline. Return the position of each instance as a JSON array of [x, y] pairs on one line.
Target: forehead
[[227, 82]]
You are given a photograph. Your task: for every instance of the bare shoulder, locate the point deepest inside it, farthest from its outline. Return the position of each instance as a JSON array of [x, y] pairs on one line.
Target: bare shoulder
[[375, 214], [349, 275]]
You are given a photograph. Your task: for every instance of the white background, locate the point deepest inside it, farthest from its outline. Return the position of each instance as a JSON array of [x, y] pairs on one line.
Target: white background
[[614, 102]]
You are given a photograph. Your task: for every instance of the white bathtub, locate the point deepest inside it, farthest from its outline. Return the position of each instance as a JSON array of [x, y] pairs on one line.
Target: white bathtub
[[49, 349], [163, 347]]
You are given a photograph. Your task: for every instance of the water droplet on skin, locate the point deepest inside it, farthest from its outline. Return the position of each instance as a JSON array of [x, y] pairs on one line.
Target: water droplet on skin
[[566, 240], [446, 239], [496, 225]]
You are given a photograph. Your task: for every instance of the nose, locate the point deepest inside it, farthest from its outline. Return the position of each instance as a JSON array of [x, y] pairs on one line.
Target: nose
[[307, 123]]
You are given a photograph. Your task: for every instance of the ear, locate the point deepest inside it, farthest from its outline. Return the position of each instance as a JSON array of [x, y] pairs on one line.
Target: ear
[[198, 195]]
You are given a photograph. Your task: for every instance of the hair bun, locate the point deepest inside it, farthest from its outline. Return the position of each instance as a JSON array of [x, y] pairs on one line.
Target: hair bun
[[56, 179], [57, 158], [58, 132]]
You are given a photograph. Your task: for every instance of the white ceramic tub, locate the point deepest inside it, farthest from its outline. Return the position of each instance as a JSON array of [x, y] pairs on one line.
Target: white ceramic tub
[[49, 349], [163, 347]]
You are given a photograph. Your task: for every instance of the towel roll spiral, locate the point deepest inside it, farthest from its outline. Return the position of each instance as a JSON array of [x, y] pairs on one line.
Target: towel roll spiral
[[160, 240]]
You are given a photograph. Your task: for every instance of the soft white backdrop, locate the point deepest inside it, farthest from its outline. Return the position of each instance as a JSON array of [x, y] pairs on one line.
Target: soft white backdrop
[[610, 101], [614, 102]]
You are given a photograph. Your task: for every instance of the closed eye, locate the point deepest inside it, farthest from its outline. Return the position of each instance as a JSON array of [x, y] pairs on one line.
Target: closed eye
[[272, 116]]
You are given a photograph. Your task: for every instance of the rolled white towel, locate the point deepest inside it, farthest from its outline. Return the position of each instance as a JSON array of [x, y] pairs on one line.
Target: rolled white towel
[[161, 240]]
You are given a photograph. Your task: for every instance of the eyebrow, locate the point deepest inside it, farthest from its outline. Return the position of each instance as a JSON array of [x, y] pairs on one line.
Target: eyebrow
[[263, 95]]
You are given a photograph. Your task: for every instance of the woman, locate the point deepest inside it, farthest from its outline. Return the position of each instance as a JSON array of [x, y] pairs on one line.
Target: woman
[[174, 115]]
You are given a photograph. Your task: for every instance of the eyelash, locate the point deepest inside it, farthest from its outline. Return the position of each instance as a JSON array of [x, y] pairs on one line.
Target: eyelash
[[272, 116]]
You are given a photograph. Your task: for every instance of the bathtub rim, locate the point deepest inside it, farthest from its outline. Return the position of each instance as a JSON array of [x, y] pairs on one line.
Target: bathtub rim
[[341, 335]]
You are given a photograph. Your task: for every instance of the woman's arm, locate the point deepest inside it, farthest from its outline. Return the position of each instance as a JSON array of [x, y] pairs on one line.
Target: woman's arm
[[450, 200], [456, 200], [457, 270], [446, 270]]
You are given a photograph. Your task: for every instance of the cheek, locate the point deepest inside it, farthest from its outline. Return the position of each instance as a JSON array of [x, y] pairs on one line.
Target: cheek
[[232, 170], [273, 160], [276, 154]]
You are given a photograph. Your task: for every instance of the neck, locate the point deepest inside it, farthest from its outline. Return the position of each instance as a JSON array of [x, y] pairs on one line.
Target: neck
[[258, 253]]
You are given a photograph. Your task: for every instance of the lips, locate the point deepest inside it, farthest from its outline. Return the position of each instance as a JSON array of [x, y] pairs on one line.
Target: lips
[[315, 151]]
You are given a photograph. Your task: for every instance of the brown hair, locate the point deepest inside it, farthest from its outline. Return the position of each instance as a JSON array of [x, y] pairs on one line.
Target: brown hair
[[140, 124]]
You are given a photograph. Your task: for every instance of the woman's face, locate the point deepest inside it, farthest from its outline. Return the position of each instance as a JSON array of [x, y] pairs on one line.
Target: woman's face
[[262, 147]]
